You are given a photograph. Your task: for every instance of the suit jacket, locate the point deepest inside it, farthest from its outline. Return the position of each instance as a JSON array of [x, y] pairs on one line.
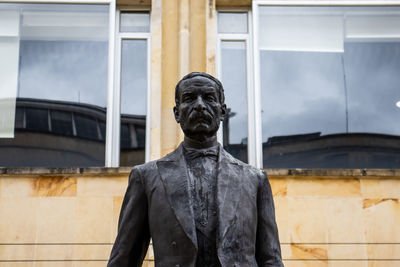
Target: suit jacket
[[157, 205]]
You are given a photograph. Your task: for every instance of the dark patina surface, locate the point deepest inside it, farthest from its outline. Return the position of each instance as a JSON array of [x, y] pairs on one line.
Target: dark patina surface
[[200, 206]]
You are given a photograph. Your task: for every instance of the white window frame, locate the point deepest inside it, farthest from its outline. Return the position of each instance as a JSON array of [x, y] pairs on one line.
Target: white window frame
[[110, 149], [256, 55], [119, 37], [112, 140], [247, 38]]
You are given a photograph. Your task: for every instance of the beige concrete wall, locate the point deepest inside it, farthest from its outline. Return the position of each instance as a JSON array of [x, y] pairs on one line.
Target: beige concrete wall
[[325, 218], [59, 220]]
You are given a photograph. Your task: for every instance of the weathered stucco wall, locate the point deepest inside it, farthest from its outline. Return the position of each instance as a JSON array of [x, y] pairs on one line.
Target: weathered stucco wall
[[338, 217], [325, 218]]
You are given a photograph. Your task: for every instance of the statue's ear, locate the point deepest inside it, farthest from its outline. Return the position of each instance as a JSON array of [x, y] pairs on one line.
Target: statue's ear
[[176, 114], [223, 111]]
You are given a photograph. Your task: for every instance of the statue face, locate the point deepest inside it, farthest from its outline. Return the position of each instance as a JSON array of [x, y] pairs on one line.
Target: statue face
[[199, 111]]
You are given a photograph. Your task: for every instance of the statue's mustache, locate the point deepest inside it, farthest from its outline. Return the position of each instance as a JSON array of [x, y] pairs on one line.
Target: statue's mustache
[[204, 115]]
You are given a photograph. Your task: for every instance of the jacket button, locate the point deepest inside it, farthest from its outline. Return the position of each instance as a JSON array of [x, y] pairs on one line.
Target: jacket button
[[173, 243], [177, 265]]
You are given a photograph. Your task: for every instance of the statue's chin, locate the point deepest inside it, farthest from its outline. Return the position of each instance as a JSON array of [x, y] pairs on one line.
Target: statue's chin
[[200, 135]]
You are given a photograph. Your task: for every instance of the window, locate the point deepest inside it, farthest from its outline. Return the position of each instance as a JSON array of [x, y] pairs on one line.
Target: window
[[328, 79], [54, 62], [326, 85], [74, 87], [133, 81], [233, 70]]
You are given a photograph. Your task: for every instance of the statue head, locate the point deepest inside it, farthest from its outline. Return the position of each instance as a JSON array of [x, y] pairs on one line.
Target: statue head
[[200, 107]]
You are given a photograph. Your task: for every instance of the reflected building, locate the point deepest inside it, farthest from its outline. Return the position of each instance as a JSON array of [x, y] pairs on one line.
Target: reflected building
[[333, 151], [316, 151], [68, 134], [238, 150]]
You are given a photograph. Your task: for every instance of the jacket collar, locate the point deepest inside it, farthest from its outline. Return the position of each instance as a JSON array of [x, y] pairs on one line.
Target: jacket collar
[[173, 172]]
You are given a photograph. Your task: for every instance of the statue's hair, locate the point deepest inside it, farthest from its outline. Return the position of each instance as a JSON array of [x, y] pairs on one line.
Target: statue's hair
[[218, 84]]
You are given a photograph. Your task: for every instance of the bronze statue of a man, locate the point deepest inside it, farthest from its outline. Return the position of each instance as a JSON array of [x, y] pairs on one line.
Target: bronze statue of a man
[[200, 206]]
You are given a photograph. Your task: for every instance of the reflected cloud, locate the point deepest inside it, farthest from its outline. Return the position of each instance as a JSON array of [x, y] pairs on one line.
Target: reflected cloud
[[305, 92], [233, 58], [134, 77], [74, 71]]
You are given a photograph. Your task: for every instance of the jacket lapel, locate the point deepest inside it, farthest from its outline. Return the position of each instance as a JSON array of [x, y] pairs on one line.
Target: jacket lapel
[[173, 172], [228, 192]]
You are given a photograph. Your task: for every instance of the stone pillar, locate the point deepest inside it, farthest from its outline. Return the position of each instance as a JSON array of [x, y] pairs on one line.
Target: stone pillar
[[170, 73], [211, 36], [184, 32]]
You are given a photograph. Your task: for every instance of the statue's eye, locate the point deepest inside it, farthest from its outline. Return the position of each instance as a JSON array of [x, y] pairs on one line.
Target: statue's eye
[[210, 98], [187, 98]]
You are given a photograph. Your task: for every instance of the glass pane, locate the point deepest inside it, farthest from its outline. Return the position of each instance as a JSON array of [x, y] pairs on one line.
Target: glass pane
[[135, 22], [232, 22], [61, 122], [330, 104], [86, 127], [37, 119], [133, 101], [19, 117], [59, 83], [9, 46], [234, 79]]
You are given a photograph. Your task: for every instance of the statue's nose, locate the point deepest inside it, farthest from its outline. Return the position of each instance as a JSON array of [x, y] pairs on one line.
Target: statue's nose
[[199, 105]]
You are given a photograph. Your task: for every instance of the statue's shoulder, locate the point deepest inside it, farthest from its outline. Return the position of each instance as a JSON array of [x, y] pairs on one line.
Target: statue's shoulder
[[152, 165], [249, 169], [145, 166], [144, 172]]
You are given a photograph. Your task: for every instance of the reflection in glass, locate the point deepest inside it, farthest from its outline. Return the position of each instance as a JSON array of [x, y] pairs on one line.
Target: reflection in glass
[[330, 104], [133, 101], [232, 22], [19, 118], [233, 77], [86, 127], [37, 119], [61, 122], [135, 22], [61, 80], [73, 71]]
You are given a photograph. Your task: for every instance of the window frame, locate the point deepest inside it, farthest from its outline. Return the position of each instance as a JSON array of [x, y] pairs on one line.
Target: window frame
[[256, 55], [112, 138], [247, 39], [119, 37]]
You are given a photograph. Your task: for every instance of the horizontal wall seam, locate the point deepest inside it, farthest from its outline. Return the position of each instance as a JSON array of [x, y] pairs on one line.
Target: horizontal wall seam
[[341, 259], [64, 260], [342, 243], [56, 244]]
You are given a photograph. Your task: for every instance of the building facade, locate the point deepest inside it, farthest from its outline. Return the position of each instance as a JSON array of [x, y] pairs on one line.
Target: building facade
[[313, 96]]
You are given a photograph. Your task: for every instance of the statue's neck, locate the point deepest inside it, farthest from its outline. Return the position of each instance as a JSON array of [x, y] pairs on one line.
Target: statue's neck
[[192, 143]]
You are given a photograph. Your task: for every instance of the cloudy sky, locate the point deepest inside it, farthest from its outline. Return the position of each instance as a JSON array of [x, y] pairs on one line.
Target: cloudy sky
[[76, 71], [233, 77], [64, 70], [304, 92]]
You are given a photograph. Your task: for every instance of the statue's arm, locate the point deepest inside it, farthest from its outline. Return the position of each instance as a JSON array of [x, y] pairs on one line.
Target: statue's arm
[[133, 231], [268, 251]]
